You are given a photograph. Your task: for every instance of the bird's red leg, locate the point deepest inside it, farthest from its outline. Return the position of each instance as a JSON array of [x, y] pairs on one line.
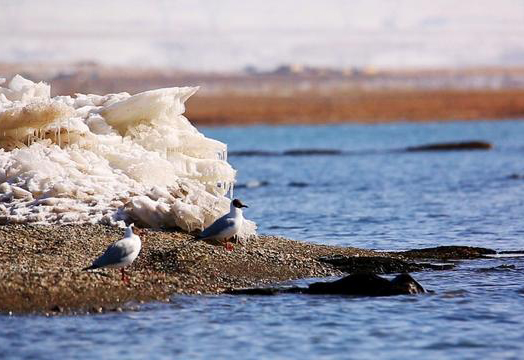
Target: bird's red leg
[[123, 275], [228, 245]]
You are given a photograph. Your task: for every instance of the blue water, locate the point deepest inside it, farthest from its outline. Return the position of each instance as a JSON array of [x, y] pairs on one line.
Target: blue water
[[384, 199], [370, 197]]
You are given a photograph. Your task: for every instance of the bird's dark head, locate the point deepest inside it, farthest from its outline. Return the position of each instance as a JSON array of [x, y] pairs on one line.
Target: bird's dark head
[[238, 204]]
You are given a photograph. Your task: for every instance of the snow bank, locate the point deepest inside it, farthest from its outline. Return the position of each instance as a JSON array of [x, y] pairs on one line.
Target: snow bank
[[108, 159]]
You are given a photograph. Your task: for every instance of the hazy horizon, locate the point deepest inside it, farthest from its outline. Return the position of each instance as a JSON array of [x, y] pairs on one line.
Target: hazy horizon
[[229, 35]]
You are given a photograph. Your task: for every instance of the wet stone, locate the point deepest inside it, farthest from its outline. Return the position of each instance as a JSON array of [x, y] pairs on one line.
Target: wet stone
[[448, 253], [357, 284]]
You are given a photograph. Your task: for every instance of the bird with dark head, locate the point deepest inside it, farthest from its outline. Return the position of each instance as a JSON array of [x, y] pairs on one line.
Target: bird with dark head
[[238, 204], [226, 227]]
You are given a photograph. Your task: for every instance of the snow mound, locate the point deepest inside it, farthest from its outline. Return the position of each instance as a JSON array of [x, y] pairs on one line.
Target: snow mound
[[108, 159]]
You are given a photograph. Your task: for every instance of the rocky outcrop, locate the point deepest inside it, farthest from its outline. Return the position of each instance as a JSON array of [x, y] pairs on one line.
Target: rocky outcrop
[[309, 152], [452, 146], [379, 264], [448, 253], [368, 284], [357, 284]]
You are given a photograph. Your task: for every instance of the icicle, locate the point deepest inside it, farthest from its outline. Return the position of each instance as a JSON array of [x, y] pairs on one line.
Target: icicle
[[59, 133]]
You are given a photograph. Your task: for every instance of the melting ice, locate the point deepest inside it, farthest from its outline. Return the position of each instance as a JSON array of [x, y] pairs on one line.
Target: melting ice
[[107, 159]]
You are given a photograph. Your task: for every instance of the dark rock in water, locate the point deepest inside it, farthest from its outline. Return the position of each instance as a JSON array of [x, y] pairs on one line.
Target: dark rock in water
[[466, 145], [305, 152], [254, 291], [405, 284], [448, 252], [358, 284], [253, 153], [364, 284], [368, 284], [516, 176], [298, 184], [379, 265]]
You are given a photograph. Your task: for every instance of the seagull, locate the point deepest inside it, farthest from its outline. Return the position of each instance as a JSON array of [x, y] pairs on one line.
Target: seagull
[[120, 253], [227, 226]]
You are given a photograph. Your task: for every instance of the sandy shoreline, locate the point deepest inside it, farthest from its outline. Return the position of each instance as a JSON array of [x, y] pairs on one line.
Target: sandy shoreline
[[41, 267]]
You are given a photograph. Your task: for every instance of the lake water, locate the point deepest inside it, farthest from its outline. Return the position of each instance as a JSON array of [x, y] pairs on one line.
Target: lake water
[[371, 196]]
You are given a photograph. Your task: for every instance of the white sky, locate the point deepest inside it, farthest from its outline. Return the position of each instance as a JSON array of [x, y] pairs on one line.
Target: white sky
[[228, 35]]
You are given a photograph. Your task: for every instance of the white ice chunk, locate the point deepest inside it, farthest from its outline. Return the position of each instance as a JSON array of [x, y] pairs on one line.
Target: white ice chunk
[[105, 159]]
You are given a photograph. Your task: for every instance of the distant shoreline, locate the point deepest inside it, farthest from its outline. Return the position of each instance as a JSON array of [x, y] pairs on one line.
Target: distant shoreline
[[374, 107]]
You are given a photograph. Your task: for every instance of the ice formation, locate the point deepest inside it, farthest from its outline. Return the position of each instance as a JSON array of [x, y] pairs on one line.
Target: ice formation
[[107, 159]]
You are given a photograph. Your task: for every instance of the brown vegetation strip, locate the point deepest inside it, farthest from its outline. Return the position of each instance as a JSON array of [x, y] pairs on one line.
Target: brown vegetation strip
[[355, 106]]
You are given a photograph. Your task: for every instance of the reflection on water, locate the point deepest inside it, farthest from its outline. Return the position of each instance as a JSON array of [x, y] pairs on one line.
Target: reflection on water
[[382, 201]]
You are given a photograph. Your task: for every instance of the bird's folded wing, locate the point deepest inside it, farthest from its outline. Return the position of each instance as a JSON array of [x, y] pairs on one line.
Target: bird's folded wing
[[115, 253], [217, 227]]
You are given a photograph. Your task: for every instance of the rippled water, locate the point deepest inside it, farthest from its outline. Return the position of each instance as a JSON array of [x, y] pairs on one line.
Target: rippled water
[[371, 196]]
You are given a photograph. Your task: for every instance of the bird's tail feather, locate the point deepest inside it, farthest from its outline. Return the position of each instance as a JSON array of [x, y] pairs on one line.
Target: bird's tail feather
[[90, 268]]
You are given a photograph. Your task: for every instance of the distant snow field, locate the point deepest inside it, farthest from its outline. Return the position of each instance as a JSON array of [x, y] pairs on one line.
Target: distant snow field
[[229, 35]]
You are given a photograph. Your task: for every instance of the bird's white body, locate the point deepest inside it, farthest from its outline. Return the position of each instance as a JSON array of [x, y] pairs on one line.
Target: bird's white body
[[225, 227], [121, 253]]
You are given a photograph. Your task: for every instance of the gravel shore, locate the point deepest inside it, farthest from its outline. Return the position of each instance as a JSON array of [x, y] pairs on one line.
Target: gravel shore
[[41, 267]]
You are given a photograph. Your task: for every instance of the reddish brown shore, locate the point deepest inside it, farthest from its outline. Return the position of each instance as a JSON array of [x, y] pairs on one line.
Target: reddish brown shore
[[356, 106]]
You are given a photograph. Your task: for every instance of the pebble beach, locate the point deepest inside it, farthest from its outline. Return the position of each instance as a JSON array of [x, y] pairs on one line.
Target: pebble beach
[[42, 266]]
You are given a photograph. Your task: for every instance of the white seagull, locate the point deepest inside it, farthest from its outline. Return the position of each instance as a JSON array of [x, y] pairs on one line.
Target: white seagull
[[120, 253], [227, 226]]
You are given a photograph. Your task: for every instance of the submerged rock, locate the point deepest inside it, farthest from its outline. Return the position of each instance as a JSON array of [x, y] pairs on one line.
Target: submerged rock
[[253, 153], [380, 264], [297, 184], [306, 152], [368, 284], [374, 264], [358, 284], [464, 145], [448, 252], [516, 176]]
